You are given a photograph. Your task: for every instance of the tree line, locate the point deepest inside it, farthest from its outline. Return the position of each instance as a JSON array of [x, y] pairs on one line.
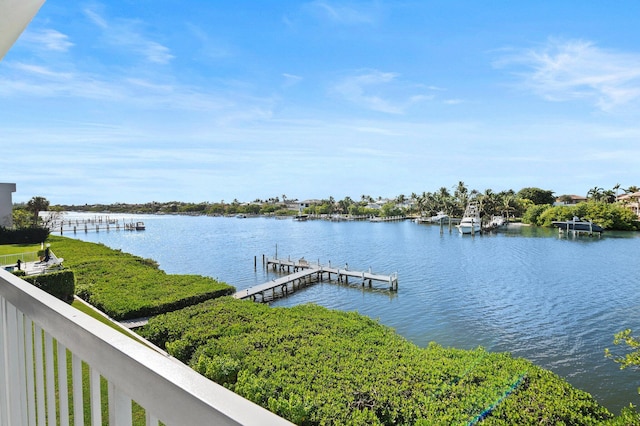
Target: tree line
[[527, 204]]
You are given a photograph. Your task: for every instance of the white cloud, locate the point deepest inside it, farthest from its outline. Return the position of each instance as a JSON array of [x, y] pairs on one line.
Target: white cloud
[[126, 33], [291, 79], [96, 18], [576, 69], [380, 91], [211, 47], [49, 39], [41, 71], [342, 13]]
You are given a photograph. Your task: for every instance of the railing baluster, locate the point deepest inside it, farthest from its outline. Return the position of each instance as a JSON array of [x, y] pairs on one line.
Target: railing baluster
[[151, 420], [40, 394], [76, 380], [63, 389], [4, 380], [31, 391], [12, 362], [119, 407], [21, 367], [50, 379], [96, 407]]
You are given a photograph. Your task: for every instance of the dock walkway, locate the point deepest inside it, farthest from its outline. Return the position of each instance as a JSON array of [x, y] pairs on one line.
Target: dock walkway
[[302, 274]]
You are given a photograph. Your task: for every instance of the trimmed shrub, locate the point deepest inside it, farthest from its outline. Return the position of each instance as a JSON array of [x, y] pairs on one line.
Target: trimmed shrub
[[125, 286], [60, 284], [31, 235]]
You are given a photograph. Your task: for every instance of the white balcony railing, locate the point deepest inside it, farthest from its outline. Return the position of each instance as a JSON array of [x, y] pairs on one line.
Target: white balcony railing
[[41, 335]]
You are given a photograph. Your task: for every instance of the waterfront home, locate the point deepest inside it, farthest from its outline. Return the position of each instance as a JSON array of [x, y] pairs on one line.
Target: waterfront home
[[631, 201], [569, 200]]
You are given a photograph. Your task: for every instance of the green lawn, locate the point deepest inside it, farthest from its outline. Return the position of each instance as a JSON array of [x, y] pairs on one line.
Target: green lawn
[[18, 248], [25, 252]]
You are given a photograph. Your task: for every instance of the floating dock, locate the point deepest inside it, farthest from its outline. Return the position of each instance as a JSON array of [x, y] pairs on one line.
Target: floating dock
[[302, 273]]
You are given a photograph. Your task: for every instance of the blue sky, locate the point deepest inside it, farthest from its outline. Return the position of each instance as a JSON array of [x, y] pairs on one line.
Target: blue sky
[[138, 101]]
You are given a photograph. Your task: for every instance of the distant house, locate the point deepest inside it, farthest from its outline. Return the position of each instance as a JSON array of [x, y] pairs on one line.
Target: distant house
[[567, 200], [6, 204], [631, 201], [308, 203]]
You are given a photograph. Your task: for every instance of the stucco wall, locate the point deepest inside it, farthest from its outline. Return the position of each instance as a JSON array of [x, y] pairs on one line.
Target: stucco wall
[[6, 203]]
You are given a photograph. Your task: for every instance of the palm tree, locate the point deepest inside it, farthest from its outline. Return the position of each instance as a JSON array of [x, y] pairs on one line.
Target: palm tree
[[616, 188], [420, 202], [508, 205], [37, 205], [609, 196], [461, 193], [344, 204], [595, 193], [488, 202]]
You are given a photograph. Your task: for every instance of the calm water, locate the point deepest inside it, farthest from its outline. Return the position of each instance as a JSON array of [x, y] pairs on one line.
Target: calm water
[[555, 301]]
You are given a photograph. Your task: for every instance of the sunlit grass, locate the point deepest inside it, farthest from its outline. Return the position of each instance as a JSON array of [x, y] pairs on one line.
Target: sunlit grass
[[18, 248], [10, 253]]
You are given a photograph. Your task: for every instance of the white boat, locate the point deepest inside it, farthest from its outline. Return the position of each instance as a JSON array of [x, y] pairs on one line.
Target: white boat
[[579, 225], [470, 223], [439, 218], [497, 222]]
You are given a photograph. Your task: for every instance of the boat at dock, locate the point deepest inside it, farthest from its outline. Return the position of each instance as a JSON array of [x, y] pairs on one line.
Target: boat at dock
[[138, 226], [470, 223], [439, 218], [578, 225], [497, 222]]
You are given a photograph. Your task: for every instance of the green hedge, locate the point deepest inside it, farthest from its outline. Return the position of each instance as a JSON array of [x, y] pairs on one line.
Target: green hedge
[[60, 284], [315, 366], [125, 286], [31, 235]]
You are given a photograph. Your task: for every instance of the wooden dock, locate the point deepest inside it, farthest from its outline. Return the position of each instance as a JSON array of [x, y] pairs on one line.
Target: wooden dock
[[94, 225], [302, 273], [388, 219]]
